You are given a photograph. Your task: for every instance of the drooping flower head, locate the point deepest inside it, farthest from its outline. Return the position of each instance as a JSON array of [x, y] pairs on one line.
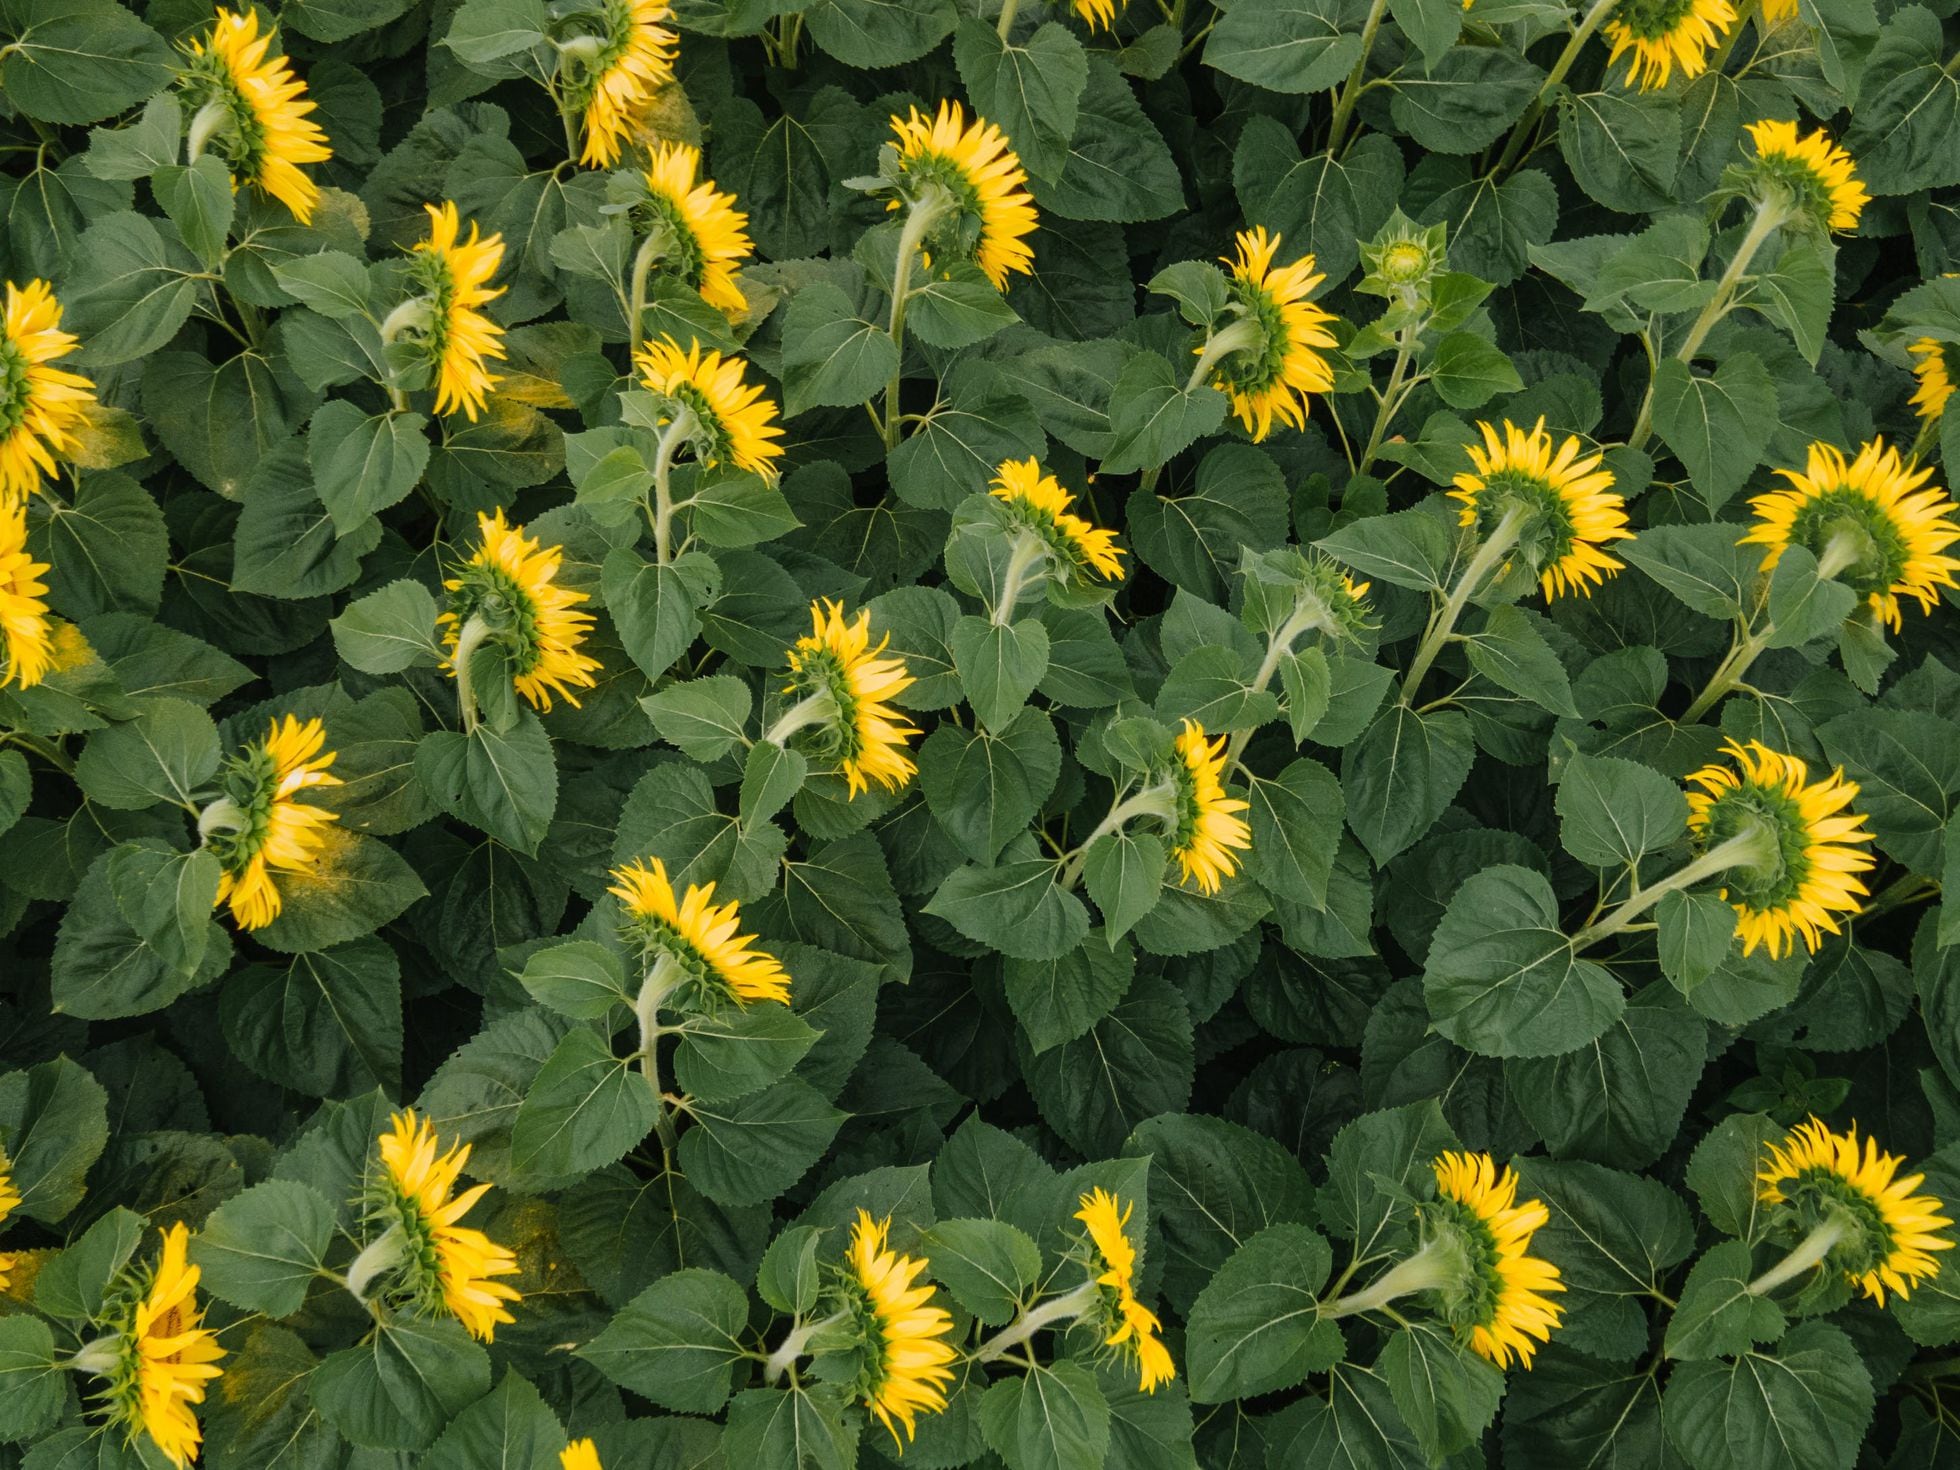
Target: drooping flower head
[[1131, 1327], [836, 665], [707, 941], [1810, 873], [1889, 1233], [734, 423], [254, 110], [261, 825], [1666, 35], [707, 236], [1206, 826], [26, 631], [1811, 175], [455, 274], [1040, 504], [632, 60], [1099, 14], [1879, 526], [434, 1265], [905, 1370], [40, 405], [510, 589], [580, 1454], [9, 1202], [991, 213], [1272, 377], [1933, 374], [1566, 509], [1502, 1306], [159, 1357]]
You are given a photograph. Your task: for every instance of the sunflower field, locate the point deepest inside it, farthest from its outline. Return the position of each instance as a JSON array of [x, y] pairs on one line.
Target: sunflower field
[[1019, 734]]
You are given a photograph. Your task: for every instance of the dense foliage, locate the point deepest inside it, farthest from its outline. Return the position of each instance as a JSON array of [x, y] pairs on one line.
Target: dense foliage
[[1050, 735]]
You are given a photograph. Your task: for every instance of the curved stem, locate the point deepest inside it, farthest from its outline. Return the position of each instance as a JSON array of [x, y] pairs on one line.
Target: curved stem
[[474, 631], [1302, 620], [663, 467], [1007, 9], [643, 258], [1241, 334], [1438, 1263], [1351, 88], [1528, 122], [793, 1345], [1068, 1307], [1809, 1253], [1742, 850], [655, 988], [1743, 651], [1027, 551], [812, 709], [923, 213], [1392, 396], [1442, 624], [1153, 801]]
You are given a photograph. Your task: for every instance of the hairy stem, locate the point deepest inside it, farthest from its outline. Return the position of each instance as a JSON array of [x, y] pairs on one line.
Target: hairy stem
[[1442, 623], [1068, 1307], [1527, 124], [1745, 849]]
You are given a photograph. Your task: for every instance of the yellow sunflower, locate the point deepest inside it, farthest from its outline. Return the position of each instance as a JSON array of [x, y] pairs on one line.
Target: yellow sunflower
[[634, 60], [1136, 1330], [835, 666], [1888, 1234], [259, 826], [255, 109], [26, 632], [1506, 1306], [1934, 375], [1207, 824], [1814, 174], [1272, 376], [1099, 14], [40, 406], [1872, 522], [908, 1369], [707, 940], [1044, 506], [510, 588], [1566, 508], [444, 1266], [733, 419], [580, 1454], [456, 274], [162, 1357], [1812, 874], [9, 1202], [1663, 35], [992, 212], [708, 234]]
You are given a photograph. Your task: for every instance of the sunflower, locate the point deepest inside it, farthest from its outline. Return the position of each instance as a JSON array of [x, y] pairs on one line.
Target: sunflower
[[40, 406], [9, 1202], [259, 826], [1043, 506], [1206, 824], [907, 1371], [1811, 875], [1272, 377], [580, 1454], [1873, 521], [1136, 1329], [634, 59], [992, 213], [733, 419], [1503, 1307], [836, 666], [706, 940], [456, 275], [707, 236], [1812, 174], [1889, 1233], [1665, 34], [1934, 374], [161, 1356], [259, 110], [510, 588], [26, 632], [1099, 14], [442, 1265], [1566, 506]]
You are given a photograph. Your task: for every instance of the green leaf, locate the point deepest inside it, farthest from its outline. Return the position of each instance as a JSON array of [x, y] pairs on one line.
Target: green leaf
[[78, 61], [1355, 1427], [168, 751], [109, 549], [705, 718], [771, 775], [1716, 1316], [362, 464], [1057, 1000], [262, 1249], [1720, 425], [1623, 148], [31, 1386], [1513, 654], [880, 32], [790, 1427], [1118, 166], [752, 1150], [137, 149], [1255, 1329], [503, 783], [133, 290], [984, 787], [657, 606], [1017, 907], [585, 1109], [1613, 811], [399, 1389], [1124, 873], [1410, 548], [1447, 1394], [76, 1282], [1701, 564], [329, 1024], [1051, 1418], [1465, 101], [582, 979], [740, 1051], [1807, 1404], [987, 1265], [333, 283], [999, 665], [1297, 46], [510, 1426], [200, 204], [956, 306], [1030, 90], [1296, 825], [1908, 106], [357, 886], [1696, 931], [54, 1117], [1153, 416], [1401, 774], [1803, 606], [1468, 371], [389, 630], [832, 357], [678, 1343]]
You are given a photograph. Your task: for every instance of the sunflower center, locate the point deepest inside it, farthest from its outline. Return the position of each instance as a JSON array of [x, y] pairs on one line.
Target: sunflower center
[[1257, 367], [820, 672], [1469, 1297], [506, 610], [1404, 261], [1858, 527], [1653, 20], [1779, 877], [16, 387], [1544, 529], [1817, 1195]]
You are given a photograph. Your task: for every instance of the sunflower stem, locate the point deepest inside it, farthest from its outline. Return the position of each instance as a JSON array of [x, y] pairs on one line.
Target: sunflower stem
[[98, 1356], [793, 1345], [671, 437], [1243, 333], [1027, 551], [1808, 1254], [468, 641], [1442, 622], [1351, 89], [1007, 9], [382, 1254], [1527, 124], [1392, 397], [1744, 649], [222, 815], [659, 983], [1069, 1307], [47, 750], [1307, 616], [1158, 801], [813, 709], [1438, 1263], [923, 213], [643, 259], [1745, 849]]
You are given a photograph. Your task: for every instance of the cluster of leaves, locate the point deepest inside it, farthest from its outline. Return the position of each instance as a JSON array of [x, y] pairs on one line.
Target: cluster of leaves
[[999, 1001]]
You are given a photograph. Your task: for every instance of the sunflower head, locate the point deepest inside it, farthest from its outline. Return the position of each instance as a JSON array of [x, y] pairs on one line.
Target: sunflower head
[[1128, 1326], [1499, 1301], [703, 238], [1559, 504], [905, 1360], [1810, 179], [1663, 36], [26, 630], [418, 1254], [615, 72], [1886, 1234], [1204, 826], [254, 111], [1403, 259], [41, 406], [1289, 594], [1935, 367], [846, 686], [580, 1454], [1037, 504], [266, 820], [1274, 362], [974, 183], [1804, 867], [446, 319], [732, 421], [704, 940], [508, 594], [158, 1356]]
